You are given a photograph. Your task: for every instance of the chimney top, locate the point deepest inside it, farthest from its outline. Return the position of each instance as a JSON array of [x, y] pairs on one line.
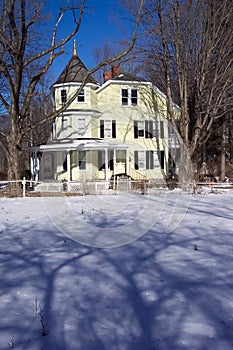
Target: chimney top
[[115, 70], [107, 76]]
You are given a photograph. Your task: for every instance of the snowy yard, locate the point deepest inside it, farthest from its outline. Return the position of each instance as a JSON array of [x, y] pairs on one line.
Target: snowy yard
[[117, 272]]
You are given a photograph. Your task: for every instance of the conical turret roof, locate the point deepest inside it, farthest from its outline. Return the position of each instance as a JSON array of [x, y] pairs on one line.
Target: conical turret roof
[[74, 72]]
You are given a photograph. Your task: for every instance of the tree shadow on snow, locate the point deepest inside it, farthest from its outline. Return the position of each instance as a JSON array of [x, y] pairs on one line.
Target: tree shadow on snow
[[156, 293]]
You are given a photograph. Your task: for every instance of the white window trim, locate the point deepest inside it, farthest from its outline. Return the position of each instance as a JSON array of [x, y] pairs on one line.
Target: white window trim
[[142, 160], [61, 102], [129, 98], [107, 128], [80, 95], [144, 129]]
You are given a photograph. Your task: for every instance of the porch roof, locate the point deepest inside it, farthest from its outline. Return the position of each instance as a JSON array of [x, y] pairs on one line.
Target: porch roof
[[80, 144]]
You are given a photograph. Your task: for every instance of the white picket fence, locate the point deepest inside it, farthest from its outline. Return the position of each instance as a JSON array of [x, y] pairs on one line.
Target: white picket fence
[[22, 187], [74, 187], [23, 184]]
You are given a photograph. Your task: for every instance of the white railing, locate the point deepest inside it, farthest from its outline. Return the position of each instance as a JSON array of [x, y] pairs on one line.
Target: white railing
[[24, 187], [23, 184]]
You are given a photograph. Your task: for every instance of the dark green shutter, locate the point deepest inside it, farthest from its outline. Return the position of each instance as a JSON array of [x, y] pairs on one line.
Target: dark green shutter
[[161, 129], [113, 129], [161, 158], [136, 160], [135, 129], [101, 129], [100, 160], [151, 129], [110, 162], [149, 160], [147, 129]]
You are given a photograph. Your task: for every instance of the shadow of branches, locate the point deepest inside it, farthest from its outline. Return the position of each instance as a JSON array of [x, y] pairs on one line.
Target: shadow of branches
[[156, 293]]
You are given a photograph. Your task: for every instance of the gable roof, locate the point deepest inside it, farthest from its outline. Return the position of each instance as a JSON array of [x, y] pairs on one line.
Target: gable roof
[[74, 72]]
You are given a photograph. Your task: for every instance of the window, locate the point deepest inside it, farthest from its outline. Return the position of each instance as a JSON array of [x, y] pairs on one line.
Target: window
[[101, 160], [63, 96], [150, 159], [141, 159], [156, 162], [134, 97], [81, 96], [64, 122], [129, 97], [158, 129], [141, 129], [108, 129], [81, 126], [82, 160], [124, 97], [148, 129]]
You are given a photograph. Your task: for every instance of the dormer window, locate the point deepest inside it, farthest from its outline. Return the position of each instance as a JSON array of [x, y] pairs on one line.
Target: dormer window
[[81, 96], [129, 97], [63, 96]]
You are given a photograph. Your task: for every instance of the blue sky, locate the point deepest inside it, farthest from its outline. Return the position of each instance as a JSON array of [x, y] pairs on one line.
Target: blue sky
[[99, 26]]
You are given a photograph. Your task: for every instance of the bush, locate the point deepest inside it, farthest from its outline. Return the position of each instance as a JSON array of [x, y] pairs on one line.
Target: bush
[[27, 174]]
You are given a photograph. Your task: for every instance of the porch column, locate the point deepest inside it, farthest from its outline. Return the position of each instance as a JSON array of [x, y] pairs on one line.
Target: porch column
[[114, 162], [37, 166], [68, 166], [127, 162], [106, 163], [32, 162]]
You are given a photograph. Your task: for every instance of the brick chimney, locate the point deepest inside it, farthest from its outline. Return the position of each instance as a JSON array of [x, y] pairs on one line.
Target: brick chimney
[[107, 76], [115, 70]]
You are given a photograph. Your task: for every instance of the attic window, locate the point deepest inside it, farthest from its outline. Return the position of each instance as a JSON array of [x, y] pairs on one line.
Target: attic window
[[81, 96], [63, 96], [129, 97]]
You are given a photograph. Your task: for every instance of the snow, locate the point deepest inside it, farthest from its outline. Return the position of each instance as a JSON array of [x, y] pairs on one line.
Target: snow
[[117, 272]]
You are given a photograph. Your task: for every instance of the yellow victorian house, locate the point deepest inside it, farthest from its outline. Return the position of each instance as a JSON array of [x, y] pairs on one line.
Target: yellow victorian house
[[118, 127]]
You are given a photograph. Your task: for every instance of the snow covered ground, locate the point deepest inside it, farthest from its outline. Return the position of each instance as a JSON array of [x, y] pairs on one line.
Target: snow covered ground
[[117, 272]]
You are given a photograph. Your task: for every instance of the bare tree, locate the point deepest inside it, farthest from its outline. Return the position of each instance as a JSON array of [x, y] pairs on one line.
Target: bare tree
[[24, 60], [187, 48]]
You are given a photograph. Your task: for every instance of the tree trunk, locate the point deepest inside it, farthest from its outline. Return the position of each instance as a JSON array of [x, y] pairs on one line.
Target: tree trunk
[[13, 161], [185, 168]]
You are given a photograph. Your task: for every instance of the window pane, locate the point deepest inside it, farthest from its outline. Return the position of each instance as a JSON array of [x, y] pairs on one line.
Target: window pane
[[156, 160], [81, 96], [64, 122], [82, 160], [124, 96], [124, 92], [63, 96], [141, 159], [134, 97], [156, 128], [107, 128], [141, 128]]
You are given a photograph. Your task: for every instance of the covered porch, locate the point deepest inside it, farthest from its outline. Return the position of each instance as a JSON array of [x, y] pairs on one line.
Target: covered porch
[[78, 160]]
